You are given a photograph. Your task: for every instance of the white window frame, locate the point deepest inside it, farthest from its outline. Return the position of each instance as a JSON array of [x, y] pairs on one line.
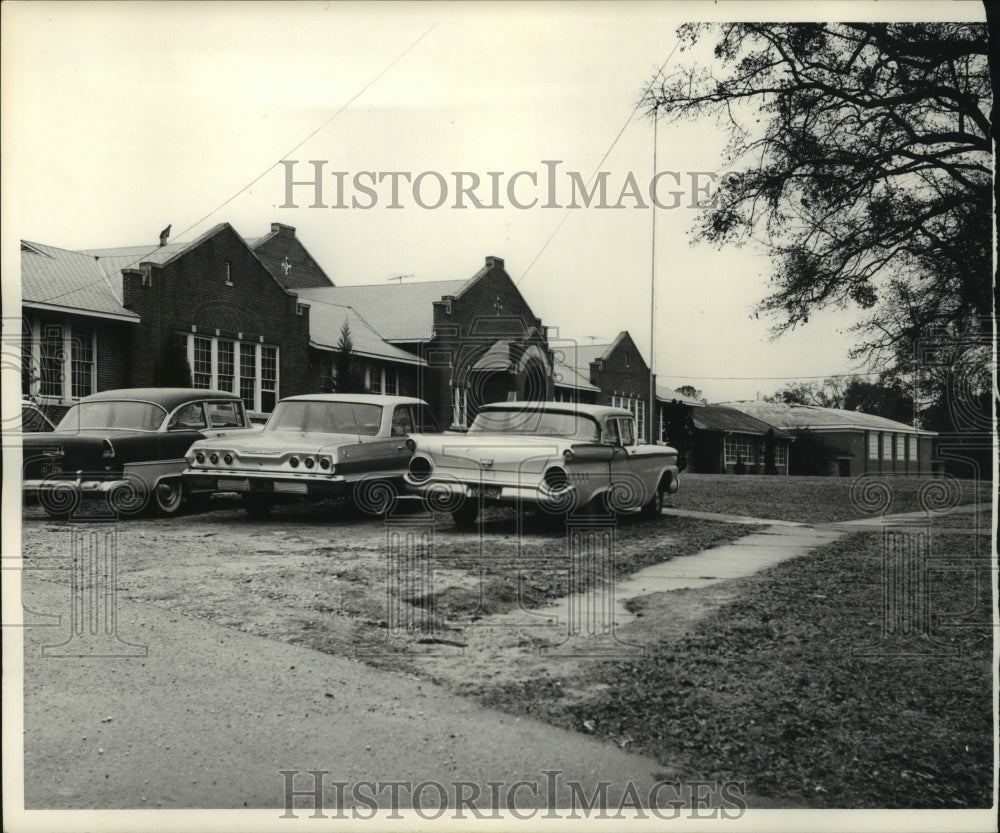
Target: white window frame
[[238, 345], [900, 448], [65, 396], [914, 448], [738, 446], [886, 445], [873, 445], [460, 403], [780, 454]]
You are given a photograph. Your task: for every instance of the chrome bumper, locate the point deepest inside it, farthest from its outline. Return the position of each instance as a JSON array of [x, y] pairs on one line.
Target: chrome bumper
[[84, 485], [506, 493]]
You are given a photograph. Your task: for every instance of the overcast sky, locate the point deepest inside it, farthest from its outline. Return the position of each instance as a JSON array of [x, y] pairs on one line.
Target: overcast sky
[[122, 118]]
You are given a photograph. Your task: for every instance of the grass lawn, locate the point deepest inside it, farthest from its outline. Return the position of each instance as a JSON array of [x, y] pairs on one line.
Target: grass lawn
[[810, 499], [776, 690], [533, 571]]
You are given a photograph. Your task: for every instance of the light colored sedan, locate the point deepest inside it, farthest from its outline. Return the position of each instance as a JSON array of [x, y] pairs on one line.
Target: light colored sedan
[[315, 447], [557, 457]]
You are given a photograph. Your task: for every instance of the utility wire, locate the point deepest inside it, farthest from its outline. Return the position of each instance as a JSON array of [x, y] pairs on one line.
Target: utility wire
[[264, 173], [607, 153]]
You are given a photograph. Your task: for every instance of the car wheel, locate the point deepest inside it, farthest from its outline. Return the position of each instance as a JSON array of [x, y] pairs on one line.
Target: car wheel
[[257, 507], [466, 514], [169, 495], [654, 508]]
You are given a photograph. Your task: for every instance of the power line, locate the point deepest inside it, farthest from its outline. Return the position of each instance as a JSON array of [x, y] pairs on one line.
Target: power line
[[264, 173], [769, 378], [607, 153]]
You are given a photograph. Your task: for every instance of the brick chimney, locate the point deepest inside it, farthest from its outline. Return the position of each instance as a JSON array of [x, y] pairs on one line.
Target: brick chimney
[[493, 260]]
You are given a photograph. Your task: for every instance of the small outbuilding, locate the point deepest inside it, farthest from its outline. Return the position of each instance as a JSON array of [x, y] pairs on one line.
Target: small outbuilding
[[728, 441]]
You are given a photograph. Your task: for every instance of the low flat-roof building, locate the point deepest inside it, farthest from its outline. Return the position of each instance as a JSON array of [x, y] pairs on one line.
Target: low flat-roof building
[[862, 443]]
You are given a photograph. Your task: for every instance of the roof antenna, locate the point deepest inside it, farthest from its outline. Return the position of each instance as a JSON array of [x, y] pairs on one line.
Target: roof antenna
[[398, 278]]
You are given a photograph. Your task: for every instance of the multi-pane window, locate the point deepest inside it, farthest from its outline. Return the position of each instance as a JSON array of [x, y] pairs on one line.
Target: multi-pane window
[[459, 403], [248, 375], [780, 454], [219, 362], [268, 378], [390, 377], [59, 359], [201, 367], [52, 356], [886, 446], [740, 449], [900, 447], [640, 417], [227, 365], [872, 445], [82, 357], [913, 448]]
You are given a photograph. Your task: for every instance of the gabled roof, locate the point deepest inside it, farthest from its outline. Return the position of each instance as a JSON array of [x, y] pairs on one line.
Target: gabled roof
[[721, 418], [326, 320], [59, 279], [665, 394], [398, 312], [567, 376], [572, 363], [129, 257], [816, 418]]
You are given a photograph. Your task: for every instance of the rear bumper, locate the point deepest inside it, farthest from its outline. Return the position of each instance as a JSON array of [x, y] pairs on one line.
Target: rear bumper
[[443, 490], [84, 485], [199, 481]]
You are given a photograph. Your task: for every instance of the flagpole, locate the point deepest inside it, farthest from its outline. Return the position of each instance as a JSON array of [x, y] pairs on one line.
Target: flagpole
[[652, 300]]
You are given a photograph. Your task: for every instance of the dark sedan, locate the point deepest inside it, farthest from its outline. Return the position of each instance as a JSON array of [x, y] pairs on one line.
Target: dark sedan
[[126, 447]]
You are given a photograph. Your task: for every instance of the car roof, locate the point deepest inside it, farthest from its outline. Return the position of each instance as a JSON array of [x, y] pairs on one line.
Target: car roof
[[598, 412], [168, 398], [361, 398]]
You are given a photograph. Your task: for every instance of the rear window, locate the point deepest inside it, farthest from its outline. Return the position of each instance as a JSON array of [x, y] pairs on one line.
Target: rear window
[[225, 415], [134, 416], [311, 416]]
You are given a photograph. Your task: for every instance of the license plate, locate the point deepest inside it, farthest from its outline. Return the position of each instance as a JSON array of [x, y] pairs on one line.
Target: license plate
[[488, 492], [227, 484], [50, 468], [291, 488]]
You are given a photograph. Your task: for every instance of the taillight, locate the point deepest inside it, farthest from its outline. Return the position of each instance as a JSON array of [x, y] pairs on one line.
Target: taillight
[[228, 458], [310, 462], [324, 463], [213, 458], [555, 478], [420, 468], [294, 462], [200, 457]]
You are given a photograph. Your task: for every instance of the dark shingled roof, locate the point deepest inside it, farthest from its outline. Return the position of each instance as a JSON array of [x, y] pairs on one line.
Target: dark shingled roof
[[721, 418]]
